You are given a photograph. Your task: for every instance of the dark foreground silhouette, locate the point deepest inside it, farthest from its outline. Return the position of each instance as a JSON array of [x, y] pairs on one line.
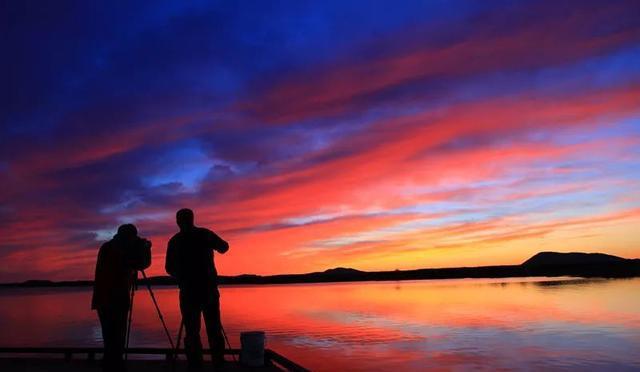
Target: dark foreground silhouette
[[81, 359], [542, 264], [117, 266], [190, 262]]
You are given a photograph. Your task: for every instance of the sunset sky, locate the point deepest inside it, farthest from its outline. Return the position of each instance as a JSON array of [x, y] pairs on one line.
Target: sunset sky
[[310, 135]]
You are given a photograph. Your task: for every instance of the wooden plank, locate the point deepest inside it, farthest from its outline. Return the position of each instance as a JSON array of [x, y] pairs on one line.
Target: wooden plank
[[60, 365], [283, 362], [99, 350], [271, 357]]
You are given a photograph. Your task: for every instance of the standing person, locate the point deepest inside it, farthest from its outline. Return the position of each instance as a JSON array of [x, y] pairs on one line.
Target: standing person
[[190, 260], [119, 259]]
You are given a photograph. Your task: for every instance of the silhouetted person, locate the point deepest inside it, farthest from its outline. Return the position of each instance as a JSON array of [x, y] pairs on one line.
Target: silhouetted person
[[190, 261], [116, 271]]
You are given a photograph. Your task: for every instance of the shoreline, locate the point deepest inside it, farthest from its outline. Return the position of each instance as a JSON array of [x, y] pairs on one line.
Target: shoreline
[[622, 269]]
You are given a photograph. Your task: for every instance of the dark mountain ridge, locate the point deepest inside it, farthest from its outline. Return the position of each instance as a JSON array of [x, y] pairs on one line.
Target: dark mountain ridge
[[542, 264], [573, 258]]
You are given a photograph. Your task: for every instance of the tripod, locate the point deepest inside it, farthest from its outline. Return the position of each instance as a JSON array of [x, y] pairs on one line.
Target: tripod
[[224, 334], [155, 303]]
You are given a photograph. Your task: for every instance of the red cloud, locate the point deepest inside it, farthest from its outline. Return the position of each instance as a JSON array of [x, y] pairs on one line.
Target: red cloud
[[558, 40]]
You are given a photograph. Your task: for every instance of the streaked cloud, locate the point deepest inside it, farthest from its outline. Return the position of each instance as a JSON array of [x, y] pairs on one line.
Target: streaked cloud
[[426, 134]]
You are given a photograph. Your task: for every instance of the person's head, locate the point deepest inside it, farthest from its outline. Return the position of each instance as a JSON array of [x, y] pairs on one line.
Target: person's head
[[184, 218], [127, 231]]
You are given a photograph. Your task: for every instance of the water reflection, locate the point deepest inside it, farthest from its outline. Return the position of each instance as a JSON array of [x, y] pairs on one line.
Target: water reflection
[[537, 323]]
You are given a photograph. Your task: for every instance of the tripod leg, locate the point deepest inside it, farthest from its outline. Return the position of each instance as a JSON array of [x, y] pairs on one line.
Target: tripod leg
[[153, 298], [175, 351], [233, 356], [175, 354]]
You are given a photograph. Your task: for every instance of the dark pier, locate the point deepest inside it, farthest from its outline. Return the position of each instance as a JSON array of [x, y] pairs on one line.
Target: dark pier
[[83, 359]]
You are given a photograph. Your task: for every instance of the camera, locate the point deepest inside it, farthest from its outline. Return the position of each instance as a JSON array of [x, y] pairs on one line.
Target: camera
[[139, 254]]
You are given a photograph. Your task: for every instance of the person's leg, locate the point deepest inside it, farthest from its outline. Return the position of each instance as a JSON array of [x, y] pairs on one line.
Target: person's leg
[[211, 314], [113, 321], [191, 317], [107, 337], [106, 317], [120, 323]]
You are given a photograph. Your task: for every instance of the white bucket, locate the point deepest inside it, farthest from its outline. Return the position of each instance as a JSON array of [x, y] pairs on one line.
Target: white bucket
[[252, 348]]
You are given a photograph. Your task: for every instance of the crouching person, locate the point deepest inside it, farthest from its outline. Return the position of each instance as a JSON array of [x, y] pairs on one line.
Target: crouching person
[[119, 259]]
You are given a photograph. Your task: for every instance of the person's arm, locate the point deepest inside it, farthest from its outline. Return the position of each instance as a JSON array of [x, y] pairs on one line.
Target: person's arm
[[171, 260], [217, 243], [99, 264], [100, 279], [104, 265]]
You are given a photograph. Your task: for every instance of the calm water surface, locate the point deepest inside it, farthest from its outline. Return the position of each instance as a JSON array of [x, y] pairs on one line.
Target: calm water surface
[[533, 324]]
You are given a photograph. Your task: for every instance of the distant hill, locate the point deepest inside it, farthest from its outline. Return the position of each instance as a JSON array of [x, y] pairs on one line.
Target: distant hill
[[342, 271], [574, 258], [542, 264]]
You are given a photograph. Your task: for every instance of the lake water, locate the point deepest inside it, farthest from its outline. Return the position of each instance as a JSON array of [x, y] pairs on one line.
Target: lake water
[[486, 324]]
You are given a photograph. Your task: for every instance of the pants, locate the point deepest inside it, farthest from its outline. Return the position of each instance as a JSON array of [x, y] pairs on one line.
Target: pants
[[191, 307], [113, 320]]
